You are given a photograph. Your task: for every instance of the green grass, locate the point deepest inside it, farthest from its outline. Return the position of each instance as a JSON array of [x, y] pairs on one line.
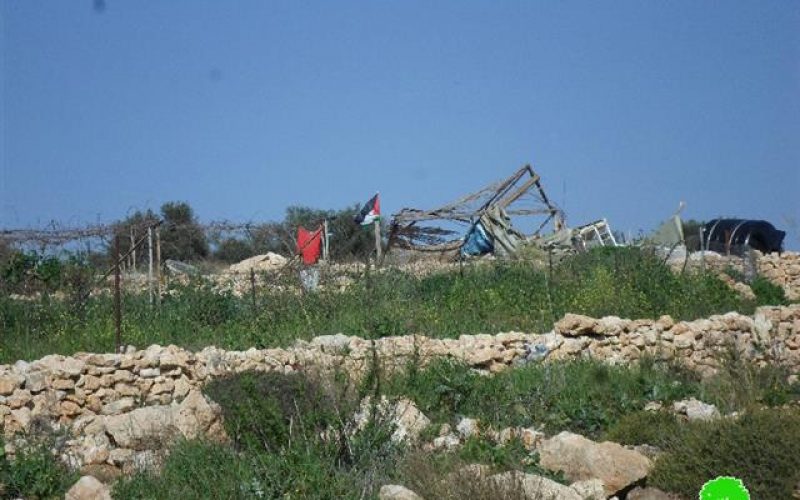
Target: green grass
[[291, 436], [580, 396], [762, 448], [505, 296], [290, 439], [34, 473]]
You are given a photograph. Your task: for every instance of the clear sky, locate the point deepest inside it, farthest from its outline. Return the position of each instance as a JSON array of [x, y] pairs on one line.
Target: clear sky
[[243, 108]]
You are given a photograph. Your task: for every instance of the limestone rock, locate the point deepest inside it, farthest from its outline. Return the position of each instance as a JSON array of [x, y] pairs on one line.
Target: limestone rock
[[696, 410], [266, 262], [35, 381], [446, 442], [468, 427], [648, 493], [119, 406], [88, 488], [9, 383], [195, 415], [173, 357], [533, 486], [397, 492], [143, 428], [575, 324], [407, 420], [582, 459], [95, 448], [61, 366], [591, 489], [334, 344], [104, 473]]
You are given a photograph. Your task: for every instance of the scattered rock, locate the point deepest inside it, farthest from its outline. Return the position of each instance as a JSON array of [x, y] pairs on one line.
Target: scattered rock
[[397, 492], [648, 493], [403, 415], [653, 406], [533, 486], [104, 473], [446, 442], [696, 410], [582, 459], [88, 488], [468, 427]]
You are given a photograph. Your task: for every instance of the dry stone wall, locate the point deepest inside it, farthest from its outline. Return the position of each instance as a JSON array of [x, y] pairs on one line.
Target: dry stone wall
[[118, 410], [781, 269]]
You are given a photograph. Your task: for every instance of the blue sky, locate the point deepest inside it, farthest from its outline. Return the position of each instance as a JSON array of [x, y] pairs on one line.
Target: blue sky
[[243, 108]]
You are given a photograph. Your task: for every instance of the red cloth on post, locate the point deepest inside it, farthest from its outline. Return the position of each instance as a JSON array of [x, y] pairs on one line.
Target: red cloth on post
[[309, 244]]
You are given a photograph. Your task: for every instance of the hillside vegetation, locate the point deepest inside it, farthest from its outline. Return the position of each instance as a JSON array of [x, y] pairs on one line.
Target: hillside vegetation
[[291, 434], [485, 298]]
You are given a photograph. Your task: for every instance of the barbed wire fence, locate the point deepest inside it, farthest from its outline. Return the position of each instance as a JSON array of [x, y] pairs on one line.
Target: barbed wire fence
[[130, 263], [76, 264]]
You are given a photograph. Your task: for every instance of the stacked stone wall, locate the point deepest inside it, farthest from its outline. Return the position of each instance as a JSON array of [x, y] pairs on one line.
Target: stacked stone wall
[[781, 269], [118, 410]]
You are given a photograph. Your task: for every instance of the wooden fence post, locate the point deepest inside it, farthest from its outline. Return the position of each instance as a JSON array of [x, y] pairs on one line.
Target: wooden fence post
[[158, 261], [117, 299], [150, 263]]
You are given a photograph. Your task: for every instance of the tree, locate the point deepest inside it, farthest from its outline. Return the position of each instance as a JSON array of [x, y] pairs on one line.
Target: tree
[[348, 240], [233, 250], [134, 225], [182, 237]]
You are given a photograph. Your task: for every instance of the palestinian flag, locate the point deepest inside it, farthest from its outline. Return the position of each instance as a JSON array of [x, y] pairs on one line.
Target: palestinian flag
[[370, 213]]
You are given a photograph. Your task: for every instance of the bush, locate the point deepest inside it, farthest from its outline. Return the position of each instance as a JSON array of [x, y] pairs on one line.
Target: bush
[[34, 473], [656, 428], [193, 470], [263, 410], [740, 385], [294, 432], [768, 293], [581, 396], [231, 250], [762, 448]]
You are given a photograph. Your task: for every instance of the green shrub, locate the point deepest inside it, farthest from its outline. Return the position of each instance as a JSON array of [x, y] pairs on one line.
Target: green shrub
[[34, 473], [739, 384], [262, 410], [768, 293], [762, 448], [293, 432], [656, 428], [193, 470], [581, 396]]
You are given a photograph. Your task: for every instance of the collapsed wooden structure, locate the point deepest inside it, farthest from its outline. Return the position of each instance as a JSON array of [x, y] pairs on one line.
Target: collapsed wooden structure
[[489, 210]]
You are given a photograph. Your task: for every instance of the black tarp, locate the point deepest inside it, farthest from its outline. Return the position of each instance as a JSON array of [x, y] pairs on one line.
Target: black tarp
[[756, 234]]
